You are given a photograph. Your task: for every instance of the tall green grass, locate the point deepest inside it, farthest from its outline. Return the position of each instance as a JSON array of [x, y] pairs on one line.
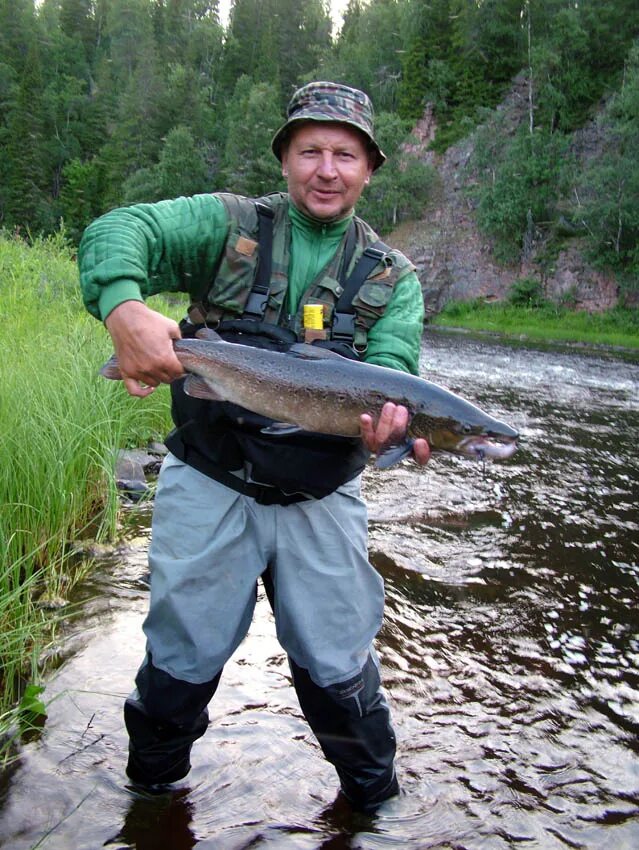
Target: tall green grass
[[546, 322], [60, 429]]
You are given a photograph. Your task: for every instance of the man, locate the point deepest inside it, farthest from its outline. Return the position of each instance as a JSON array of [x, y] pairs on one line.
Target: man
[[233, 503]]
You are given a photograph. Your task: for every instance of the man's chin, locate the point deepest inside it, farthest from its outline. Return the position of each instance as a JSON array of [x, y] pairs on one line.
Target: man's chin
[[326, 213], [321, 213]]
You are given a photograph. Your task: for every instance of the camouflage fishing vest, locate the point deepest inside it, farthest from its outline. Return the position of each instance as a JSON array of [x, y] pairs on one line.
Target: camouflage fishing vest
[[219, 438], [229, 291]]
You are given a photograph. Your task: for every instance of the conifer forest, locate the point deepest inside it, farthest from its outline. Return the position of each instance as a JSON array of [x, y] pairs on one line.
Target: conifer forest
[[111, 102]]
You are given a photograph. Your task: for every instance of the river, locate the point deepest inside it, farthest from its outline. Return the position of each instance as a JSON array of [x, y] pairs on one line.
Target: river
[[510, 653]]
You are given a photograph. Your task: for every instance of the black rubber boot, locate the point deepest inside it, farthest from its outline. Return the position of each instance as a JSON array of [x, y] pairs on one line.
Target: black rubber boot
[[351, 721], [163, 719]]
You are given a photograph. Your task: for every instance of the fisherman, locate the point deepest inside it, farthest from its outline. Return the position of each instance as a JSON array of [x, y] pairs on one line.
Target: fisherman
[[236, 505]]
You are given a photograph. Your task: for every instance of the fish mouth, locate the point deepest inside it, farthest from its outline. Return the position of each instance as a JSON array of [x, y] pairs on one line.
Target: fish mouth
[[482, 446]]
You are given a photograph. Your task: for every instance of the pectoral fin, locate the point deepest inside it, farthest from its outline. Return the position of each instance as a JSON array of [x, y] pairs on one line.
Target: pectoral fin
[[390, 455], [208, 334], [197, 387], [312, 352], [281, 429]]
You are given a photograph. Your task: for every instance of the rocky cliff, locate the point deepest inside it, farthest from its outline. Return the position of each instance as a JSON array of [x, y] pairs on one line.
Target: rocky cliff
[[453, 259]]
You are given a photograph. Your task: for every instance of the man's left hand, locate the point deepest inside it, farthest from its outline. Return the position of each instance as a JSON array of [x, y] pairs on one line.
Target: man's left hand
[[391, 429]]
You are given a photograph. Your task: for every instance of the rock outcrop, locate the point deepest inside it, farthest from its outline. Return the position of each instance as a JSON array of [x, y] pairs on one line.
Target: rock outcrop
[[456, 262]]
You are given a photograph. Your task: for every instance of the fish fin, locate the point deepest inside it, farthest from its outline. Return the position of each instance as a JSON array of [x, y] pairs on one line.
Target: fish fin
[[312, 352], [197, 387], [281, 429], [111, 370], [392, 454], [209, 334]]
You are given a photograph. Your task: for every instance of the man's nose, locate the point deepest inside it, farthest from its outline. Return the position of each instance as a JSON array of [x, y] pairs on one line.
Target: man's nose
[[327, 165]]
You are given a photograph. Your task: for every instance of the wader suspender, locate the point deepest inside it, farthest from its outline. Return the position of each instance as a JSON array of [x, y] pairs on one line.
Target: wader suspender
[[344, 315], [258, 297], [343, 328]]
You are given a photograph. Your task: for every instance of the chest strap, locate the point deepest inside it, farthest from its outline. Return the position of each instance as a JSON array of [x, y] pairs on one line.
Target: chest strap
[[344, 314]]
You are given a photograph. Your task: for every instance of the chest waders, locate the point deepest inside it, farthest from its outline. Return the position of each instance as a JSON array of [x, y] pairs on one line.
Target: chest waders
[[244, 303]]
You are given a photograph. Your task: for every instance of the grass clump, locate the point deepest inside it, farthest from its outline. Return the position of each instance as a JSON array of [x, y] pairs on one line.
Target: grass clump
[[61, 426]]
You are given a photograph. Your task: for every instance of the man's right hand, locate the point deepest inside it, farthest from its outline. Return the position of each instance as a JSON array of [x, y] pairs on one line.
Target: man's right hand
[[143, 343]]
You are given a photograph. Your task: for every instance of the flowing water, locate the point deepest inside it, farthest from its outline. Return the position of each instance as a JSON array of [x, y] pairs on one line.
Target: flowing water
[[510, 654]]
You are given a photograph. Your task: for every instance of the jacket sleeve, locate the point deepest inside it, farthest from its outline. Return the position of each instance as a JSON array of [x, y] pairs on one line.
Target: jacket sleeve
[[134, 252], [395, 339]]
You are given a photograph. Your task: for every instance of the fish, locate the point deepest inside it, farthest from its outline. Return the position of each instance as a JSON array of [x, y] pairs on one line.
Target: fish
[[308, 388]]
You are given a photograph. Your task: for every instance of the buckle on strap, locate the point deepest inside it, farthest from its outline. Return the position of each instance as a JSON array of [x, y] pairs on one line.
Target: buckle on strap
[[256, 302], [375, 253], [264, 209], [343, 326]]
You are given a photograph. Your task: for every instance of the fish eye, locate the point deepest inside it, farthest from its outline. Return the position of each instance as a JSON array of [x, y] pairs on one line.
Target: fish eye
[[467, 429]]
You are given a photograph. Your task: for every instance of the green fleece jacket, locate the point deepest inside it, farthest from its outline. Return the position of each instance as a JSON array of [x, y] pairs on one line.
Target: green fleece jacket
[[174, 246]]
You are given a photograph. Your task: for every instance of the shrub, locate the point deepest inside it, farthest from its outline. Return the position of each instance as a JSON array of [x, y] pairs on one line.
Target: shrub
[[526, 292]]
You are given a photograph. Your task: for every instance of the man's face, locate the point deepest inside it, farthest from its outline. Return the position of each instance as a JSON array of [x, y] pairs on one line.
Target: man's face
[[327, 167]]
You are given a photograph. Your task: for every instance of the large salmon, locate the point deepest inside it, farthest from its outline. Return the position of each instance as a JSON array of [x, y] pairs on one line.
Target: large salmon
[[312, 389]]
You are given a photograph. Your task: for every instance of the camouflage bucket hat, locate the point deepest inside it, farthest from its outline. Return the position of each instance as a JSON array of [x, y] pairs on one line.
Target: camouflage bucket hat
[[331, 102]]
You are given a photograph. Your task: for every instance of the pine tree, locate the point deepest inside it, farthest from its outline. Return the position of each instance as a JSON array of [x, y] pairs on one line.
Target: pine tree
[[277, 41], [182, 169], [136, 139], [25, 199], [428, 42], [248, 166], [80, 195], [368, 51]]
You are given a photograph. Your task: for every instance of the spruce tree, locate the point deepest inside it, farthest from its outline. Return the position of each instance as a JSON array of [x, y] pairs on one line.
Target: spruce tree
[[248, 166]]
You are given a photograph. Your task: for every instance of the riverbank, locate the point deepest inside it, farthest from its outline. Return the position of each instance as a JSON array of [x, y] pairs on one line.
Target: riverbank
[[613, 329]]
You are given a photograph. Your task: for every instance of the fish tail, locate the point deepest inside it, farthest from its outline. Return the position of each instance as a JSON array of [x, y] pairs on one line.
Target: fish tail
[[111, 369]]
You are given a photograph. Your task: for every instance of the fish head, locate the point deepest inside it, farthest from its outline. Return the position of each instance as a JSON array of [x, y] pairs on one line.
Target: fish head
[[475, 435]]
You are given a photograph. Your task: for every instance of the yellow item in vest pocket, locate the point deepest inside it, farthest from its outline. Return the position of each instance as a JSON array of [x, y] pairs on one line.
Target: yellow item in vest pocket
[[313, 322], [314, 316]]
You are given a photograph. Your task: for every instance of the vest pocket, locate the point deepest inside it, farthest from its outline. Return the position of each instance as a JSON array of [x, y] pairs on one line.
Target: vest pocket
[[325, 292], [372, 299], [276, 295], [229, 290]]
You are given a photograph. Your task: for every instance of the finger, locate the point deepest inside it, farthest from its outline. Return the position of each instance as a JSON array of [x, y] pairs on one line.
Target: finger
[[384, 425], [174, 330], [421, 451], [176, 370], [392, 424], [400, 423], [161, 372], [367, 432], [169, 368], [135, 388]]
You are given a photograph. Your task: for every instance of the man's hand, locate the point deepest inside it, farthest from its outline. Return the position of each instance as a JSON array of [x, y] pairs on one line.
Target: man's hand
[[390, 429], [143, 343]]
